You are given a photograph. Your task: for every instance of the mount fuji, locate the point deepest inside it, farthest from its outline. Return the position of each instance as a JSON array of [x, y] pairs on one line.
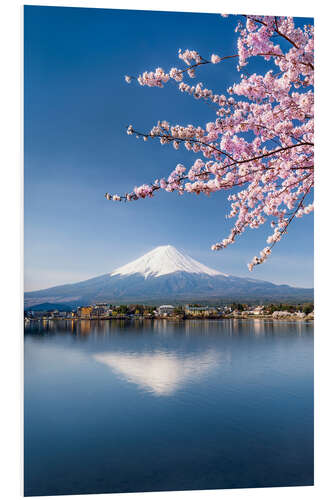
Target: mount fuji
[[166, 274]]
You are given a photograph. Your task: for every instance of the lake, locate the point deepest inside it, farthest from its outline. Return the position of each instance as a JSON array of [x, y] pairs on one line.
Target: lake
[[126, 406]]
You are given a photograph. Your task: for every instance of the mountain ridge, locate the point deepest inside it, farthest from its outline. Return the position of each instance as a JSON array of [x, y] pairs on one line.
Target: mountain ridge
[[163, 274]]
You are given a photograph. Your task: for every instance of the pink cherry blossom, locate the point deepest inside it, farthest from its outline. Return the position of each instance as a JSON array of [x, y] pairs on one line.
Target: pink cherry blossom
[[272, 166], [215, 59]]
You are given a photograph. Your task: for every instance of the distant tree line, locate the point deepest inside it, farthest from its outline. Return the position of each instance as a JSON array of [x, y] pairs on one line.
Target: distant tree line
[[306, 308]]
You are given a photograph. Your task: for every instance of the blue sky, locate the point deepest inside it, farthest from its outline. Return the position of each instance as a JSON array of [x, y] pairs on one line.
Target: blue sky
[[76, 110]]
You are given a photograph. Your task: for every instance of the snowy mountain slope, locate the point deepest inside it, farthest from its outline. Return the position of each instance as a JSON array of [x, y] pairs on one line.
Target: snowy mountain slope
[[164, 260], [165, 274]]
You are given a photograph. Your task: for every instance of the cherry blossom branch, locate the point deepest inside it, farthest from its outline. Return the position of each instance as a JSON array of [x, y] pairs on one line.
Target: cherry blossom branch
[[278, 235], [171, 138], [273, 182]]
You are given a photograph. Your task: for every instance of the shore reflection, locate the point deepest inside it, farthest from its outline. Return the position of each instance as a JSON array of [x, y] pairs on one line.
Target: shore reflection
[[164, 328]]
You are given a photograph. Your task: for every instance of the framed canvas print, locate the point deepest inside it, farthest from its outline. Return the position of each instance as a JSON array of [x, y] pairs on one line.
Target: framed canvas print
[[168, 295]]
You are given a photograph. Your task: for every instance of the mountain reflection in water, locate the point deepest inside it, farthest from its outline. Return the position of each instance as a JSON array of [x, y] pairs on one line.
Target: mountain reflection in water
[[133, 406], [161, 373]]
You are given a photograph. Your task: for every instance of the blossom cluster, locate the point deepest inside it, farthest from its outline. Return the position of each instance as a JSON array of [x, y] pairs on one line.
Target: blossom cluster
[[261, 138]]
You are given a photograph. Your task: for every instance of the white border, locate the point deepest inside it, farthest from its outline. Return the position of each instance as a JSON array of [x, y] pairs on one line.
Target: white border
[[12, 240]]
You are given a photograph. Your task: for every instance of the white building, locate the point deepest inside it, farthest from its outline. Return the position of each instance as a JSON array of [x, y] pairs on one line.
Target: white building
[[281, 314], [166, 310], [258, 310]]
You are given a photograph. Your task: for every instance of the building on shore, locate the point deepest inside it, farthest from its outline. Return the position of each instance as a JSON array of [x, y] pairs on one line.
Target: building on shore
[[200, 310], [59, 314], [166, 310], [84, 312], [256, 311], [101, 310]]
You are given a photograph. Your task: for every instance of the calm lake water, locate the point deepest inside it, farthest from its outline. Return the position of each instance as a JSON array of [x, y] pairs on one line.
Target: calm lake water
[[115, 406]]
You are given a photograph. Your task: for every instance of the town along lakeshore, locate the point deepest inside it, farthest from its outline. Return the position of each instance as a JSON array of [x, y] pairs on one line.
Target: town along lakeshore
[[105, 311]]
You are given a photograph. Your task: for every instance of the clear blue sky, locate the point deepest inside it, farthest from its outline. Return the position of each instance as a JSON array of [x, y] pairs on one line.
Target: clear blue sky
[[76, 110]]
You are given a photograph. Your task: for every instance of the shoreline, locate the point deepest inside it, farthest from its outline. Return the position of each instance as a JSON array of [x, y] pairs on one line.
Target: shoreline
[[175, 319]]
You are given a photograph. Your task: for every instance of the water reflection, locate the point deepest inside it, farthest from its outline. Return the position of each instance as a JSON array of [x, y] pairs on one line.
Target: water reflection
[[161, 373], [124, 406], [164, 328]]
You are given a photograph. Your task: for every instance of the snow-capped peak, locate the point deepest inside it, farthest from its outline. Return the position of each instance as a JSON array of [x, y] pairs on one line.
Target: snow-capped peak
[[164, 260]]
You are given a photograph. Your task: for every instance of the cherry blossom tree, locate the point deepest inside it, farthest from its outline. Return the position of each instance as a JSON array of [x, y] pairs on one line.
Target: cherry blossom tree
[[261, 141]]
